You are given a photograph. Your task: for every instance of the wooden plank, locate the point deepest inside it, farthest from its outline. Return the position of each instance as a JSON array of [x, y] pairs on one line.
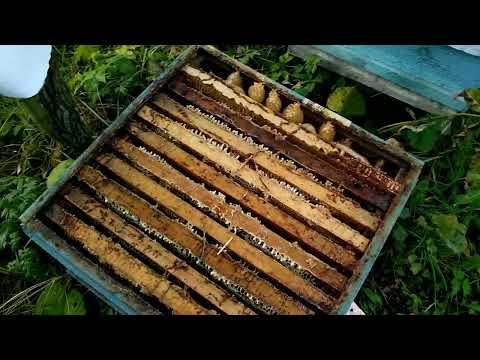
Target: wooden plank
[[346, 69], [237, 245], [109, 133], [120, 297], [157, 253], [265, 136], [234, 215], [371, 142], [319, 216], [217, 88], [178, 233], [336, 202], [124, 264], [434, 73], [317, 243]]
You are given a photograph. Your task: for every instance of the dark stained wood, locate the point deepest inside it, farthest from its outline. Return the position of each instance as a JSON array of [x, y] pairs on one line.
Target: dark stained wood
[[178, 233], [157, 253], [216, 87], [339, 205], [234, 215], [268, 186], [124, 264], [300, 232], [248, 253], [264, 135]]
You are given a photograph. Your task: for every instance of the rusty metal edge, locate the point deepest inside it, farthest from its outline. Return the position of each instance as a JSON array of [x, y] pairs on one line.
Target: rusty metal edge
[[119, 297], [366, 262], [108, 133]]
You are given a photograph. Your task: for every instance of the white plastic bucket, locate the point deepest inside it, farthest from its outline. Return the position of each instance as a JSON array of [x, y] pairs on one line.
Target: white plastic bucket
[[23, 69]]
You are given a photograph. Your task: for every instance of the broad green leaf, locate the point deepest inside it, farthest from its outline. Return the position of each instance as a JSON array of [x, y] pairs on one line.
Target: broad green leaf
[[456, 286], [58, 171], [124, 66], [458, 274], [473, 178], [127, 51], [399, 233], [311, 64], [451, 232], [32, 267], [374, 298], [420, 192], [52, 300], [285, 58], [100, 74], [405, 214], [248, 55], [472, 96], [431, 247], [341, 82], [298, 71], [422, 222], [347, 101], [475, 306], [472, 194], [74, 303], [422, 138], [471, 198], [467, 289], [415, 268], [84, 52], [304, 89], [6, 229], [440, 309], [472, 263], [473, 174]]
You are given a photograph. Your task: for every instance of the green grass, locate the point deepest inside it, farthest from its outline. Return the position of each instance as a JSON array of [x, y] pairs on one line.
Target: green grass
[[429, 265]]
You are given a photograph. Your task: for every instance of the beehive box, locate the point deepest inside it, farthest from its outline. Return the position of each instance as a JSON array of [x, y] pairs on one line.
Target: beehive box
[[201, 200], [428, 77]]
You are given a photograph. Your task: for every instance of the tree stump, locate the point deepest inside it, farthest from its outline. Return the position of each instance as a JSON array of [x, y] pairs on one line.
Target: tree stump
[[54, 112]]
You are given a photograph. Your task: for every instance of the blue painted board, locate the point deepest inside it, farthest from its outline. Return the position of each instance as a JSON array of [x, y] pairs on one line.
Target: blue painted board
[[436, 72], [118, 297], [125, 300]]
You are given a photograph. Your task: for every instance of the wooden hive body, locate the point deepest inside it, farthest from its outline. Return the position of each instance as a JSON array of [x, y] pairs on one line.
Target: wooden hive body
[[428, 77], [200, 200]]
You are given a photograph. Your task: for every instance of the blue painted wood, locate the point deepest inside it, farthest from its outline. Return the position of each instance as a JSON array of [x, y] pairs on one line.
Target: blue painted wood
[[115, 295], [107, 134], [110, 291], [436, 72]]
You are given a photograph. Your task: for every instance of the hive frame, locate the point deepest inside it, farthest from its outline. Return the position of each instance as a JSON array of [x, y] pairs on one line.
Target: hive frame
[[126, 301]]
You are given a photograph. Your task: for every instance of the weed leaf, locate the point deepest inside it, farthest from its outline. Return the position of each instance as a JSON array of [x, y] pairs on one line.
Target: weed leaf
[[374, 298], [84, 53], [451, 232], [472, 96], [347, 101], [74, 303], [52, 300], [422, 138]]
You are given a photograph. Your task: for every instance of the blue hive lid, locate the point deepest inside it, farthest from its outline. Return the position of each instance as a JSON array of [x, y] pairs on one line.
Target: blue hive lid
[[429, 77]]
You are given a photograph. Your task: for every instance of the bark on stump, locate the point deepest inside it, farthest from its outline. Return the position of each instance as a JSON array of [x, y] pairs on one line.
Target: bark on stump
[[54, 112]]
